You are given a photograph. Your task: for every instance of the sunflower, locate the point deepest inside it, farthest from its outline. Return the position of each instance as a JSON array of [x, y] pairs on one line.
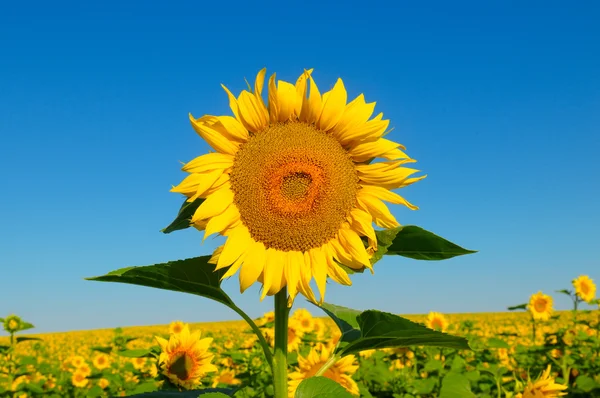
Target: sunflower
[[341, 372], [79, 379], [227, 376], [12, 323], [185, 358], [77, 361], [540, 306], [176, 327], [101, 361], [138, 363], [103, 383], [305, 320], [585, 288], [292, 187], [436, 321], [544, 387]]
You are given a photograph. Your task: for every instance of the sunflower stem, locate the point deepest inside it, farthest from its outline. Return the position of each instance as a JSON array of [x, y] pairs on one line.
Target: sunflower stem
[[281, 340], [332, 360], [261, 338]]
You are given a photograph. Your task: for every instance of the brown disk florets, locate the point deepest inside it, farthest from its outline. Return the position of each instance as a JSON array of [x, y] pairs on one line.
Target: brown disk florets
[[294, 186]]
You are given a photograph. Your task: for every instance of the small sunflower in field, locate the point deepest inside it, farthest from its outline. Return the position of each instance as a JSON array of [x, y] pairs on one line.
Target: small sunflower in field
[[101, 361], [139, 363], [185, 358], [540, 306], [543, 387], [176, 327], [84, 369], [436, 321], [341, 372], [585, 288], [12, 323], [77, 361], [103, 383], [305, 321], [227, 377], [292, 186], [79, 379]]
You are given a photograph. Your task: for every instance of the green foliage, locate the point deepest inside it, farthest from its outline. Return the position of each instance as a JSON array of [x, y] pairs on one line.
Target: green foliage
[[184, 217], [416, 243], [205, 393], [456, 385], [321, 387], [373, 329]]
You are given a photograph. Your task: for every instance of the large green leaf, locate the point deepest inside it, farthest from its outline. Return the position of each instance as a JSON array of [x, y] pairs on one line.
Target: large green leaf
[[138, 353], [415, 242], [184, 217], [375, 329], [321, 387], [456, 385], [345, 319], [193, 275]]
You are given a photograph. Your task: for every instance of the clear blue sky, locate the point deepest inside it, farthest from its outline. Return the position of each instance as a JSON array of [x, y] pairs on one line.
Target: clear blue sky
[[498, 101]]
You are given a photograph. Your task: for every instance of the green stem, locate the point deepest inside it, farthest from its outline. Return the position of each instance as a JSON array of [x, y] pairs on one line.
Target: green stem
[[332, 360], [261, 338], [281, 340]]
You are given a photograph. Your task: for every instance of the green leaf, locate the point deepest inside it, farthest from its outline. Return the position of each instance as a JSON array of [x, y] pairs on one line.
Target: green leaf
[[184, 217], [497, 343], [384, 239], [105, 350], [585, 383], [456, 385], [518, 307], [22, 339], [564, 291], [25, 326], [321, 387], [193, 275], [416, 243], [375, 329], [433, 365], [95, 392], [139, 353], [345, 319], [205, 393]]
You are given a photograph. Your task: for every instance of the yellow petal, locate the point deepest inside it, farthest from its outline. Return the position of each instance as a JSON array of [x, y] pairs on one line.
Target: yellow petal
[[378, 210], [301, 91], [342, 253], [319, 270], [214, 138], [387, 195], [272, 273], [363, 223], [237, 243], [334, 103], [232, 102], [234, 267], [253, 265], [215, 256], [222, 221], [369, 131], [364, 151], [354, 247], [273, 106], [356, 113], [214, 204], [231, 128], [258, 86], [286, 100], [334, 271], [254, 117], [208, 162], [196, 184], [311, 109], [293, 260]]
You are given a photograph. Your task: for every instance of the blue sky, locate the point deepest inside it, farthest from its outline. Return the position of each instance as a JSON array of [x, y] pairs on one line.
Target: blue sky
[[498, 101]]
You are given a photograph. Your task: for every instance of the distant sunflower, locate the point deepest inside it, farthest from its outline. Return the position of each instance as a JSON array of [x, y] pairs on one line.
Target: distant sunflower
[[12, 323], [341, 372], [585, 288], [292, 186], [101, 361], [79, 379], [540, 306], [544, 387], [185, 358], [176, 327], [306, 322], [227, 376], [436, 321]]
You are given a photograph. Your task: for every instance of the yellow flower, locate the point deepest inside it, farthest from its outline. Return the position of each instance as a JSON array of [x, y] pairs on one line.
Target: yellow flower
[[436, 321], [226, 376], [585, 288], [12, 323], [101, 361], [138, 363], [103, 383], [540, 306], [77, 361], [185, 358], [291, 187], [176, 327], [544, 387], [79, 379], [341, 372], [305, 321], [295, 334], [84, 369]]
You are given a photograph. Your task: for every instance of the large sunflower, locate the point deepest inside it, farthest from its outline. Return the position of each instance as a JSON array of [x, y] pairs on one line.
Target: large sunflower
[[292, 185], [540, 306]]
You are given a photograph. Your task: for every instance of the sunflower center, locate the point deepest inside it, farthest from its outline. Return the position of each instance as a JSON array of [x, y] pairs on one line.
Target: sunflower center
[[540, 305], [585, 288], [294, 186], [182, 367]]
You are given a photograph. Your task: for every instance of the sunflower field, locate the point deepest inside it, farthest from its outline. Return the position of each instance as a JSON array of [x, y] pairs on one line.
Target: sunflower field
[[505, 359]]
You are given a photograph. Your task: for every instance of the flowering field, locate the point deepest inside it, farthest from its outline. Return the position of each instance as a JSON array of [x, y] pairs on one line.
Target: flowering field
[[119, 362]]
